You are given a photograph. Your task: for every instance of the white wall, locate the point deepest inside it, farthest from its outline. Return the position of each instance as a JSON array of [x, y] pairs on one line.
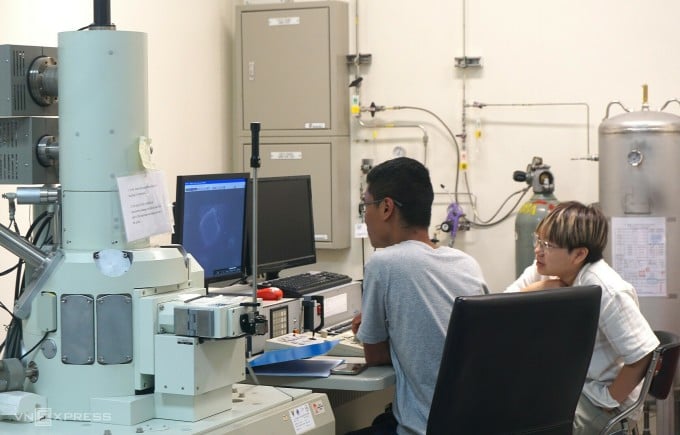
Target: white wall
[[532, 51]]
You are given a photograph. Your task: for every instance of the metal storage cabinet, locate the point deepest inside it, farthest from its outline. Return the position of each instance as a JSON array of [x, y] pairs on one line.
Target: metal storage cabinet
[[292, 77]]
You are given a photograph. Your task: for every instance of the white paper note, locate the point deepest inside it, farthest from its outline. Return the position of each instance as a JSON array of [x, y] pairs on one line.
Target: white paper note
[[144, 203]]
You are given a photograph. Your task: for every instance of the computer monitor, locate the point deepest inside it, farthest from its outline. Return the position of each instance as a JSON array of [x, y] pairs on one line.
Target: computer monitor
[[210, 217], [285, 236]]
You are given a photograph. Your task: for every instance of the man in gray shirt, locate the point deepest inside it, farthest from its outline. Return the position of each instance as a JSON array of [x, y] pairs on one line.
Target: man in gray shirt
[[409, 288]]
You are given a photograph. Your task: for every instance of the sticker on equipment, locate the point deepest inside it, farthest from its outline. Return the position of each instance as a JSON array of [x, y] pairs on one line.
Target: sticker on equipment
[[302, 418], [318, 407]]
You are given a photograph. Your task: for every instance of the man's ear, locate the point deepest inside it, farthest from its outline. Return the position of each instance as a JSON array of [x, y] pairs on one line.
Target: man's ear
[[388, 206]]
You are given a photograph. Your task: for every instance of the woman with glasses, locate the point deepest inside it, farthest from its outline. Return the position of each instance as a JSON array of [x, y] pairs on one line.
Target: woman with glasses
[[568, 245]]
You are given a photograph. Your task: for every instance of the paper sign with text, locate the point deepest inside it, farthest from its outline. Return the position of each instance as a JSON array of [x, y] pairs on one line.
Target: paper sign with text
[[144, 203]]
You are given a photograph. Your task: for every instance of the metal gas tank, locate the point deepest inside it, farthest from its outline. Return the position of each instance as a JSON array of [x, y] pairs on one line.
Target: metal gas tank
[[529, 215], [639, 154]]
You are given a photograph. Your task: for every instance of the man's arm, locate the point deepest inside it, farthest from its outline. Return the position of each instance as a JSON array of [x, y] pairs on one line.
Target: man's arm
[[377, 354], [629, 376], [544, 285]]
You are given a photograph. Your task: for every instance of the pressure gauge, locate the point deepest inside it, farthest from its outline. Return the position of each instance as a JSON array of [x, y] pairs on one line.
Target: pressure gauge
[[398, 151], [635, 157]]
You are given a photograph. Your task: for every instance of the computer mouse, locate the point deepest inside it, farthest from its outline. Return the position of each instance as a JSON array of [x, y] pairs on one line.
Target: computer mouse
[[270, 293]]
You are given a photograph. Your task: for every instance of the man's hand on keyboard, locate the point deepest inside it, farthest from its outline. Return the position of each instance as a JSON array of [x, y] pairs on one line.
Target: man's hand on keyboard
[[356, 321]]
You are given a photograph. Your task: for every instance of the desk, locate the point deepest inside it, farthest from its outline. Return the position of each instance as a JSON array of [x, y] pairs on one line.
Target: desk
[[355, 399], [371, 379]]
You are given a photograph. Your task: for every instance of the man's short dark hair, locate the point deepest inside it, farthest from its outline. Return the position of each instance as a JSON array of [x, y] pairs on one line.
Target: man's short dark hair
[[406, 181]]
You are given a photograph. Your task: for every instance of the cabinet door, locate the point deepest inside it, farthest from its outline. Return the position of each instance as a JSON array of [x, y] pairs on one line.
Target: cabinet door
[[285, 74], [313, 159]]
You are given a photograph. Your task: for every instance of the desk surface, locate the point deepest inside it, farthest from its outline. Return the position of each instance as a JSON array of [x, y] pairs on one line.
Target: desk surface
[[371, 379]]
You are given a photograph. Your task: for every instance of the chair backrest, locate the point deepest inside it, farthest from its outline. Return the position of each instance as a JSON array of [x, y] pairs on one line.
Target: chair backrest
[[669, 350], [515, 363]]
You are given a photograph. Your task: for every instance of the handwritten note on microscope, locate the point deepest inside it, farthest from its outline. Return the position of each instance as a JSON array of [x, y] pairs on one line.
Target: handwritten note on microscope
[[144, 203]]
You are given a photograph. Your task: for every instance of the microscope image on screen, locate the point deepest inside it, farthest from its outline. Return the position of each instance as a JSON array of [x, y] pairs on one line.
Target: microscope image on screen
[[210, 215]]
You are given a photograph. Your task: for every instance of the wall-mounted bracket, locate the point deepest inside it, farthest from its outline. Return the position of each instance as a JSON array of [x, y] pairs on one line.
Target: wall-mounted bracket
[[468, 62], [364, 59]]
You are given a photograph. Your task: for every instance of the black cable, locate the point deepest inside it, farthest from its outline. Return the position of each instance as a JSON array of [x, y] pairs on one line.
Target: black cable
[[12, 268], [35, 347], [478, 219], [17, 283], [486, 225], [12, 223], [7, 271], [41, 228], [12, 345], [43, 219], [35, 223], [482, 224], [4, 307]]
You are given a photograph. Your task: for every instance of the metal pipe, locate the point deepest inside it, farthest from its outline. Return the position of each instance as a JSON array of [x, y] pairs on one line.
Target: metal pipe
[[463, 116], [357, 60], [674, 100], [37, 195], [399, 125], [375, 108], [479, 105], [102, 13], [20, 247], [254, 164]]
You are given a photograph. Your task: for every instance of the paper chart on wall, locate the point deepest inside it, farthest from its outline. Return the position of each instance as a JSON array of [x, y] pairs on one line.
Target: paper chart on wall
[[639, 253]]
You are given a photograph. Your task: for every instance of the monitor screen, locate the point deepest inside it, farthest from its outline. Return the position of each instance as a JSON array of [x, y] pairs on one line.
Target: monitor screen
[[285, 236], [210, 216]]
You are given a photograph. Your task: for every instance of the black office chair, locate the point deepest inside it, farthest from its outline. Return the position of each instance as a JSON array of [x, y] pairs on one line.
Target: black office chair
[[657, 382], [515, 363]]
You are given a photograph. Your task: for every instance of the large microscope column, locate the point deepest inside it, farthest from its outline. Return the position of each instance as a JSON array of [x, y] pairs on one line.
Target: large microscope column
[[103, 113], [94, 345]]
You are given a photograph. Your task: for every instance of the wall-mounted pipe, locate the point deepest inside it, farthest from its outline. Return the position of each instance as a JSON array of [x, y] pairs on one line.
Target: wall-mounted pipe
[[399, 124], [589, 156]]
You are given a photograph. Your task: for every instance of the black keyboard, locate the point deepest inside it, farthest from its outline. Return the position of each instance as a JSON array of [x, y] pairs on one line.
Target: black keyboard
[[298, 285]]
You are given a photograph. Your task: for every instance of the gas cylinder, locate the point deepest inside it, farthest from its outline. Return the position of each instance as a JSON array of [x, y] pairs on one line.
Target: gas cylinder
[[542, 182]]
